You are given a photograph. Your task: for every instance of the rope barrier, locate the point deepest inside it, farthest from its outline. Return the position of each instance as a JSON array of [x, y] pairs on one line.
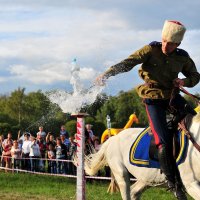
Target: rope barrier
[[32, 158], [51, 174], [60, 175]]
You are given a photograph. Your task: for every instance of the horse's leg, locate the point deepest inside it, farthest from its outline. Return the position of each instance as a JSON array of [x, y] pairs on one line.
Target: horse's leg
[[123, 180], [137, 188], [193, 189]]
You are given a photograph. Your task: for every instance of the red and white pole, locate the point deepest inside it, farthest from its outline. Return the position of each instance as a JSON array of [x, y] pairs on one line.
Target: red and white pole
[[80, 137]]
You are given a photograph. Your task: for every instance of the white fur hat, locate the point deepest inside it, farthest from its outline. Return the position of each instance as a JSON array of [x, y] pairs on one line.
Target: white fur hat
[[173, 31]]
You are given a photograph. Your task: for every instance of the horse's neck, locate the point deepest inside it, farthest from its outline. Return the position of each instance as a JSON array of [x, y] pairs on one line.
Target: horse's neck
[[192, 161], [194, 126]]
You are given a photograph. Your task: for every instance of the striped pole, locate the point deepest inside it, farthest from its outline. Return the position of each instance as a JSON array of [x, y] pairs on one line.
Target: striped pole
[[80, 137]]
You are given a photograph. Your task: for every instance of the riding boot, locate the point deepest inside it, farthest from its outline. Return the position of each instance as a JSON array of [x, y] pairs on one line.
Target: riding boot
[[166, 165], [169, 168], [180, 192]]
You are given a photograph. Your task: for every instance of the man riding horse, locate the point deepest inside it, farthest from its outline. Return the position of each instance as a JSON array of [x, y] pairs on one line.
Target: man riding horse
[[161, 64]]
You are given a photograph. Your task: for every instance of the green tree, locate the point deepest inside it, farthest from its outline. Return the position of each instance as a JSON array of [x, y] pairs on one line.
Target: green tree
[[15, 105], [71, 127], [108, 108], [93, 108], [37, 104], [4, 128], [120, 107], [89, 120], [98, 128]]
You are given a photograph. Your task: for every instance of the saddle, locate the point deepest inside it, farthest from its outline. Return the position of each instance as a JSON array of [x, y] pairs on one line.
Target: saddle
[[153, 151], [143, 152]]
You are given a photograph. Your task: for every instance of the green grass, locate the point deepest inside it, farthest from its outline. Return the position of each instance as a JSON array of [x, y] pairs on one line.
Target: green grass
[[36, 187]]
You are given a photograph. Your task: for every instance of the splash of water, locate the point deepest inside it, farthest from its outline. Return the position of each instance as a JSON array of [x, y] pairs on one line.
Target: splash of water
[[73, 102]]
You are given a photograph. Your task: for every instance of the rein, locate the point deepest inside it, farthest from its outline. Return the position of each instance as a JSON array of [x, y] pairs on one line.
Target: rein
[[189, 94], [182, 124], [176, 91], [188, 134]]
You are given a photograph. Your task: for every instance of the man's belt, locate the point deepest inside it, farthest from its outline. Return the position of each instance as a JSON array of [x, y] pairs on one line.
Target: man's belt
[[154, 85]]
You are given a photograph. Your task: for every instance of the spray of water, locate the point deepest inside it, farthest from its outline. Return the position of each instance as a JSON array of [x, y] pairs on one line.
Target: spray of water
[[73, 102]]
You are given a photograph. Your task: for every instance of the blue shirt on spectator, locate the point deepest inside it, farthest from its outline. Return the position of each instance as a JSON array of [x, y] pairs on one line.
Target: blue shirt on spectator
[[64, 132], [66, 142]]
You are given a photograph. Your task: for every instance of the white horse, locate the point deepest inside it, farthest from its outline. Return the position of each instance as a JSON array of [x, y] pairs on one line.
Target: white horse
[[115, 153]]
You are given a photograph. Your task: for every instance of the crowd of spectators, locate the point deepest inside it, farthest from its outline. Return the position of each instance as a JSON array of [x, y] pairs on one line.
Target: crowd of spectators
[[43, 153]]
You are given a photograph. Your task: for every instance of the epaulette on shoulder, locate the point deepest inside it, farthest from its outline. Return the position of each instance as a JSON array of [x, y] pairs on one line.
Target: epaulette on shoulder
[[181, 52], [155, 44]]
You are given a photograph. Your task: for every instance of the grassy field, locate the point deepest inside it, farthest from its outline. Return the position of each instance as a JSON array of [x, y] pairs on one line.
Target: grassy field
[[37, 187]]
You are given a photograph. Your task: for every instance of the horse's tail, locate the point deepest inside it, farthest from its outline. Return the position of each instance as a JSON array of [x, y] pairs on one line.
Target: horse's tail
[[96, 161]]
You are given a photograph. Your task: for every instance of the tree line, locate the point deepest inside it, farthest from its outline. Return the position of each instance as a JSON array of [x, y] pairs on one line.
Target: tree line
[[27, 111]]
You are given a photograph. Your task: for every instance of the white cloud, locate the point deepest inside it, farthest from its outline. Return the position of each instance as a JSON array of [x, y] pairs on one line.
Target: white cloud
[[191, 43], [57, 37], [48, 73], [41, 75]]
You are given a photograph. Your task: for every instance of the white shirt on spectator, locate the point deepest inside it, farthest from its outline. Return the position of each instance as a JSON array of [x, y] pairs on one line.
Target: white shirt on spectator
[[15, 153], [43, 134], [26, 146], [51, 154], [34, 149], [59, 152]]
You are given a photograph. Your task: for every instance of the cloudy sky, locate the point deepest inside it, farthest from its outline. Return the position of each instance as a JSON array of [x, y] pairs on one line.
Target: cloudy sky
[[40, 38]]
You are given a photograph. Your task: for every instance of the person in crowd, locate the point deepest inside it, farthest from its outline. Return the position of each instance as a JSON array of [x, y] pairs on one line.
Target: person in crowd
[[52, 156], [97, 144], [20, 140], [7, 153], [72, 151], [50, 139], [89, 133], [73, 146], [20, 143], [1, 150], [64, 132], [42, 145], [34, 154], [16, 155], [25, 152], [161, 64], [61, 152], [89, 137], [6, 150], [66, 142], [41, 132], [8, 140]]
